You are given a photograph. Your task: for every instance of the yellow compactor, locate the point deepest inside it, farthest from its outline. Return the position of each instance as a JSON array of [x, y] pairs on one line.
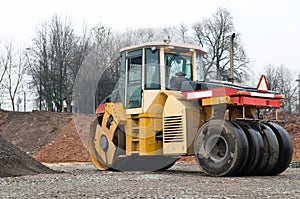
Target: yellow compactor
[[163, 109]]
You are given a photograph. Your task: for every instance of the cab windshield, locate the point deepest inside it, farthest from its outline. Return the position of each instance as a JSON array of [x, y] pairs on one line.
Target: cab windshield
[[178, 70]]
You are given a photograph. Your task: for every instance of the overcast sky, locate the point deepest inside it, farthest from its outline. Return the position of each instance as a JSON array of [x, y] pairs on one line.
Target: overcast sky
[[270, 29]]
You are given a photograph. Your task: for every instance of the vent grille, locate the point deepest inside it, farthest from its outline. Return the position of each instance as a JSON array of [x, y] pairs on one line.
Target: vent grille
[[173, 129], [136, 130]]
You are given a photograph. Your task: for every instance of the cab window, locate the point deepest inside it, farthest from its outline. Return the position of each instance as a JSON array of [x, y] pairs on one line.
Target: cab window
[[134, 79], [178, 70], [152, 73]]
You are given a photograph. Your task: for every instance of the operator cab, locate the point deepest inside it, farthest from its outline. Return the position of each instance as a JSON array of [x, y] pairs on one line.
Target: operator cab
[[150, 68]]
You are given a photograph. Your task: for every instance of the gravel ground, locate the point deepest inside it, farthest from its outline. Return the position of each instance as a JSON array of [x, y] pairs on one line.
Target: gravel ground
[[181, 181]]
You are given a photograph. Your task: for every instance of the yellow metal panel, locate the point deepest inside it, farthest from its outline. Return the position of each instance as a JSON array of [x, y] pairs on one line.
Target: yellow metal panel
[[174, 132], [149, 97], [134, 111], [117, 111], [146, 135], [173, 107], [140, 135], [132, 140], [192, 121], [110, 153], [216, 100]]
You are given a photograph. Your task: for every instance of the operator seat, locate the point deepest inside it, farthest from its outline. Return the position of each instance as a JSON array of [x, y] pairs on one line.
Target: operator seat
[[176, 81]]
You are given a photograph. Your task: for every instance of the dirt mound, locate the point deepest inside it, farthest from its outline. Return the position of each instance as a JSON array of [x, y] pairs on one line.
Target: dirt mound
[[292, 125], [60, 137], [67, 146], [48, 136], [31, 131], [14, 162]]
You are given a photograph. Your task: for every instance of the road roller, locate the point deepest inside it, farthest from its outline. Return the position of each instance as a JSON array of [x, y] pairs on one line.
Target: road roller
[[163, 109]]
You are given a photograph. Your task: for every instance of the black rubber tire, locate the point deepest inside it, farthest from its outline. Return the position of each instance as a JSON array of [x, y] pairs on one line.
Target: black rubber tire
[[271, 149], [285, 148], [212, 140], [244, 158], [256, 148]]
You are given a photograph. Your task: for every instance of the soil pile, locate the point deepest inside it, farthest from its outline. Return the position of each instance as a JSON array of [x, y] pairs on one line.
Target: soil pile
[[60, 137], [48, 136], [30, 131], [67, 146], [292, 125], [14, 162]]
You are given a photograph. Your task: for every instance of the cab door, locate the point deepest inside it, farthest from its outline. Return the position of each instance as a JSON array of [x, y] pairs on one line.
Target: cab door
[[134, 82]]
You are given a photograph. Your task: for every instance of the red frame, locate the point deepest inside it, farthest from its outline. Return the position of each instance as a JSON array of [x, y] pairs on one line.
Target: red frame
[[252, 101]]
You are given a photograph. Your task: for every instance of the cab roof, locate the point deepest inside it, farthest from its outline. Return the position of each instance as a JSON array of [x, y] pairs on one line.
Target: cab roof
[[158, 44]]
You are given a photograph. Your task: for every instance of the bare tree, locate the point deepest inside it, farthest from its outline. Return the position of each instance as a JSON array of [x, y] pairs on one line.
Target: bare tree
[[214, 34], [40, 67], [282, 80], [3, 69], [169, 33], [16, 67], [137, 36], [272, 75], [183, 31], [55, 58], [105, 52], [130, 37], [146, 34]]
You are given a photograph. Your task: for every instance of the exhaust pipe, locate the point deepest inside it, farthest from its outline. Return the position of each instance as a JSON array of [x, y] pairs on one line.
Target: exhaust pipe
[[231, 58]]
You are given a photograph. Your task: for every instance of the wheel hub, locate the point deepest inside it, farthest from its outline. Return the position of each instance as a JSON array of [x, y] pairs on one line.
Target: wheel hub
[[218, 148], [104, 143]]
